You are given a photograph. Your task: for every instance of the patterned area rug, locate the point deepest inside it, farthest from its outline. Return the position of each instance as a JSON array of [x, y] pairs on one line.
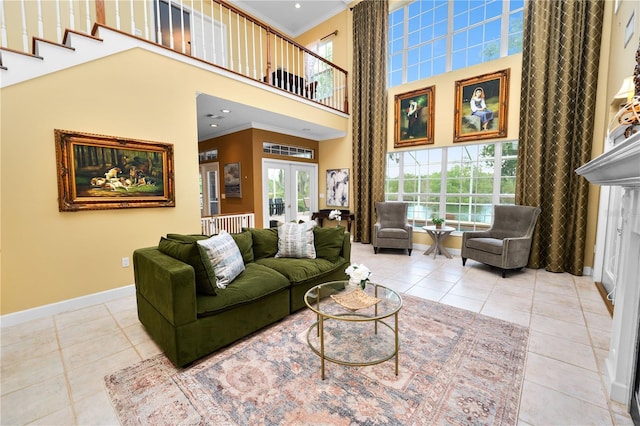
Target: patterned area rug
[[456, 368]]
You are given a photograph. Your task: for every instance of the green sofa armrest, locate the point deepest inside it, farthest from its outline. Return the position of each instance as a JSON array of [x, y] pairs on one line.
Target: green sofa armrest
[[167, 284]]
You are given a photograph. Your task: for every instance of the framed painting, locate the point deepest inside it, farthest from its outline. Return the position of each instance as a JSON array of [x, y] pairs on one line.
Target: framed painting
[[97, 172], [481, 107], [414, 112], [232, 180], [337, 187]]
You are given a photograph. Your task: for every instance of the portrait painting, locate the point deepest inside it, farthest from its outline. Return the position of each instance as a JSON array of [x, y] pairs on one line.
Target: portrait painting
[[337, 187], [414, 115], [97, 172], [481, 107]]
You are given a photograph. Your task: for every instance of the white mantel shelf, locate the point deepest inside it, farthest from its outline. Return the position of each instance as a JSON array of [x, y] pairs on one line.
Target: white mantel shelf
[[619, 166]]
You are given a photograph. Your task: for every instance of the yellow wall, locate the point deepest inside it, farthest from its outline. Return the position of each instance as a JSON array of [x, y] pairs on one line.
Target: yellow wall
[[49, 256], [335, 153]]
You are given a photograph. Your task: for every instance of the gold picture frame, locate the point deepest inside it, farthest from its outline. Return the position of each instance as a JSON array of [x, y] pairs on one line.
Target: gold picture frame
[[414, 116], [97, 172], [481, 107]]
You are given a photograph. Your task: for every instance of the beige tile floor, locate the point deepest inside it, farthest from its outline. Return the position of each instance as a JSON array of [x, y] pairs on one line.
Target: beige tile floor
[[53, 368]]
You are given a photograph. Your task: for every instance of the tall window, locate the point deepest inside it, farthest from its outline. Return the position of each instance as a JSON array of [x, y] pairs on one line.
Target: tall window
[[460, 183], [319, 71], [430, 37]]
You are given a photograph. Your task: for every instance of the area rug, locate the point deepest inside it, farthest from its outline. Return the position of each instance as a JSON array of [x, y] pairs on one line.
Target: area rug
[[456, 368]]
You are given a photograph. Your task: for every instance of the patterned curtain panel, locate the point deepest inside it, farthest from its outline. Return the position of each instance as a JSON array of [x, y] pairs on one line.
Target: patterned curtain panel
[[561, 51], [369, 114]]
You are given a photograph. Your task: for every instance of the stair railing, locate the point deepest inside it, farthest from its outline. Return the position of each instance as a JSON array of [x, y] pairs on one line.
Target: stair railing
[[211, 30]]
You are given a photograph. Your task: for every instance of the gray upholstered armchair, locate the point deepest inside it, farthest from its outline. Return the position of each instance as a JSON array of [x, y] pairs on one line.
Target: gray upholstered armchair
[[507, 243], [392, 230]]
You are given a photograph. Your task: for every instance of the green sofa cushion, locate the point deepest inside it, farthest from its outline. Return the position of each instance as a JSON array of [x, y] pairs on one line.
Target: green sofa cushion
[[254, 283], [300, 270], [192, 254], [328, 242], [244, 240], [265, 242], [189, 238]]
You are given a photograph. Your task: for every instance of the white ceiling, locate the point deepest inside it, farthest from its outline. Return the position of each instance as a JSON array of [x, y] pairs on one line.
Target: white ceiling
[[286, 18], [243, 116]]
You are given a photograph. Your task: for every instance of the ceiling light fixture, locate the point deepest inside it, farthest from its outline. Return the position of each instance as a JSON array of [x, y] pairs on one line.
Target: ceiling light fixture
[[213, 125], [226, 111], [297, 5], [215, 117]]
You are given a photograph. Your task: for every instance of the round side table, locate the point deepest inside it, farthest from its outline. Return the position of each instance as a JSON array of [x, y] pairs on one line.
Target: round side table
[[438, 235]]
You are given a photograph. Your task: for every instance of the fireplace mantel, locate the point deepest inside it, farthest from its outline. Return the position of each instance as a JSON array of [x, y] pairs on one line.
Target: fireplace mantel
[[620, 166]]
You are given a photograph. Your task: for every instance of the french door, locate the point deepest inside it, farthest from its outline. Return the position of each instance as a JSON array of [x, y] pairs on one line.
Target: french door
[[209, 190], [290, 191]]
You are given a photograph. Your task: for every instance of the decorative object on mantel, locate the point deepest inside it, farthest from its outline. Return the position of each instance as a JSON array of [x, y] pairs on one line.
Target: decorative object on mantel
[[356, 299], [359, 274]]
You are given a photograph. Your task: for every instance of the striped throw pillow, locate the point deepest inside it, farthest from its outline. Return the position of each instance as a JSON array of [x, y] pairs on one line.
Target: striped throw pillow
[[296, 240], [225, 257]]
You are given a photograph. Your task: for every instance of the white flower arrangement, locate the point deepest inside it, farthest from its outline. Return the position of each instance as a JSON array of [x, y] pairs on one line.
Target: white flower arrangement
[[335, 214], [358, 273]]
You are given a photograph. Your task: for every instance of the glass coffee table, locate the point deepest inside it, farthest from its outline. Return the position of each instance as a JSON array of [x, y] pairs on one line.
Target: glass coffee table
[[346, 334]]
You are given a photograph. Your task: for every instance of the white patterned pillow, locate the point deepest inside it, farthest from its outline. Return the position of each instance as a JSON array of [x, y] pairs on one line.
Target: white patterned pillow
[[225, 257], [296, 240]]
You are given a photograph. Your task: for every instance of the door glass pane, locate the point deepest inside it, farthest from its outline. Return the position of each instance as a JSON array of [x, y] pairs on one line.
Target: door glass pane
[[202, 212], [276, 191], [212, 180], [303, 195]]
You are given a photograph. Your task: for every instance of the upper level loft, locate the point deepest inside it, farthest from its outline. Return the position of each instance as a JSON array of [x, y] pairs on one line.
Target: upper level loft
[[210, 31]]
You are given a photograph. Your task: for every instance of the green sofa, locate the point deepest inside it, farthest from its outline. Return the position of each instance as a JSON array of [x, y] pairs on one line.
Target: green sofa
[[188, 324]]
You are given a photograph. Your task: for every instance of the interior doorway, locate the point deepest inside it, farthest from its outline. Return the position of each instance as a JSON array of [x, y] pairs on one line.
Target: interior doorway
[[209, 189], [290, 191]]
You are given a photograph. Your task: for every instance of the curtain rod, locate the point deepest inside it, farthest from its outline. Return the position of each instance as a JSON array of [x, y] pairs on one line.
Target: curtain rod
[[330, 34]]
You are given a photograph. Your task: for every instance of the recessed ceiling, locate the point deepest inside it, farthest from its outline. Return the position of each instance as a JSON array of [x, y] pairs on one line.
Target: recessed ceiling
[[242, 116], [286, 18]]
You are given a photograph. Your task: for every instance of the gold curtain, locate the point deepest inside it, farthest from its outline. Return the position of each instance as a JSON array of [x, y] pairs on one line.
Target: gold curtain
[[369, 113], [561, 51]]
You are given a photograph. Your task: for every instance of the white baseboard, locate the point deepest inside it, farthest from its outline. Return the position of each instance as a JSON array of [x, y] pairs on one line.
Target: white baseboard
[[66, 305]]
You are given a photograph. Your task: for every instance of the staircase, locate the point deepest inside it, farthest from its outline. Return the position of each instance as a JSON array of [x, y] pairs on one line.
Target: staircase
[[78, 48]]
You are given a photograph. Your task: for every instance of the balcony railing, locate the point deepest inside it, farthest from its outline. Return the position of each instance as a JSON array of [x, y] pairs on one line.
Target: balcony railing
[[210, 30]]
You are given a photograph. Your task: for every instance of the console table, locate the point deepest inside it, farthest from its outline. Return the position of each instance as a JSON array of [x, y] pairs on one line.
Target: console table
[[324, 214]]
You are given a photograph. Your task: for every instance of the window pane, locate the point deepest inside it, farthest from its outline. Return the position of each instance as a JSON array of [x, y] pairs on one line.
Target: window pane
[[473, 33]]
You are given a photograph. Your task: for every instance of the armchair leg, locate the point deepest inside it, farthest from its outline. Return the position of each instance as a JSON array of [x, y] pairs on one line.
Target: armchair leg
[[464, 261], [409, 252], [504, 273], [375, 250]]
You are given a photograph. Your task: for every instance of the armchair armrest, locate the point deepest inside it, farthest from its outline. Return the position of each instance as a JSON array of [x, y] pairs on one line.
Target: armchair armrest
[[167, 284], [516, 251]]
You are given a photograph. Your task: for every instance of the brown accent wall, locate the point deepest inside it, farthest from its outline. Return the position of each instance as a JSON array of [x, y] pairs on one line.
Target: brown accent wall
[[246, 147]]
